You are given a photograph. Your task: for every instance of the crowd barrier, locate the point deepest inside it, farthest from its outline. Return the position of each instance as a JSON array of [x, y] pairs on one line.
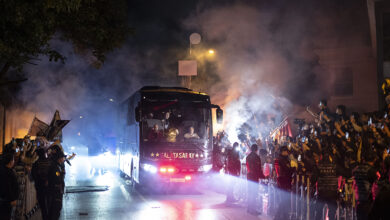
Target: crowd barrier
[[27, 207], [302, 197]]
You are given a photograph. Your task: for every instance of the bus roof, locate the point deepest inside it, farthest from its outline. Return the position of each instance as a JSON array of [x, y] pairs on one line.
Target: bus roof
[[170, 89]]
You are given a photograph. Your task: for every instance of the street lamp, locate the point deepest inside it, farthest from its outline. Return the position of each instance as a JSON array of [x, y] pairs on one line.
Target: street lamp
[[211, 51]]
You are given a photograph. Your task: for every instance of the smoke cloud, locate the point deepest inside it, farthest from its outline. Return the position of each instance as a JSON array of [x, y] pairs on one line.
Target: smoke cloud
[[266, 59], [265, 64], [258, 74]]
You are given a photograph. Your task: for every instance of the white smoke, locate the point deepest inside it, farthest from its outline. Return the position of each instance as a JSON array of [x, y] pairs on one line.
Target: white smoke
[[254, 72]]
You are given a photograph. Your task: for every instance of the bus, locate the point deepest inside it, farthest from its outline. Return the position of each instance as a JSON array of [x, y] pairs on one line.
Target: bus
[[165, 135]]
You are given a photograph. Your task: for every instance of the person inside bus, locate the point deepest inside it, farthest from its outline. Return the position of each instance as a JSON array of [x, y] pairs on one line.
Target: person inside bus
[[155, 133], [172, 134], [191, 134], [150, 115], [166, 120]]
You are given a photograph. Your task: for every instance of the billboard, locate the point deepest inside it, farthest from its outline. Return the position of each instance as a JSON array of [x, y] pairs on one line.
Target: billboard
[[188, 68]]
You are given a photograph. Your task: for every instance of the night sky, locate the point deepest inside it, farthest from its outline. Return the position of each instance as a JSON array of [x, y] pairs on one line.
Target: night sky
[[265, 54]]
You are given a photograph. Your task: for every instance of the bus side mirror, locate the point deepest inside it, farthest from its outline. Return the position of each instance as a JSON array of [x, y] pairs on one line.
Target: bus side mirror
[[219, 115], [137, 115]]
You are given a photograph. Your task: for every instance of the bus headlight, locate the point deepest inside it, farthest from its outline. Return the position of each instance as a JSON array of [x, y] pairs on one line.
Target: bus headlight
[[149, 168], [205, 168]]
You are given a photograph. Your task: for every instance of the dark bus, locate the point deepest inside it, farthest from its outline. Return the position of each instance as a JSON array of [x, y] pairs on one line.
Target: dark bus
[[165, 134]]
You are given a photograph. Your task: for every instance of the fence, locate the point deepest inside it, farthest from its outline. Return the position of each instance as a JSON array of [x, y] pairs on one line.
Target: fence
[[27, 206], [302, 197]]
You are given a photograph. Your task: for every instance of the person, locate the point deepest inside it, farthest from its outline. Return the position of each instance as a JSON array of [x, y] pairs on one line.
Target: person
[[254, 174], [155, 133], [327, 185], [284, 172], [40, 175], [172, 135], [56, 184], [379, 209], [364, 176], [150, 115], [9, 188], [191, 133], [166, 121], [233, 165], [324, 111]]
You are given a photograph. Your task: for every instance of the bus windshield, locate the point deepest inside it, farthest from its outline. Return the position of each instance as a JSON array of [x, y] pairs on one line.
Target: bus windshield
[[175, 121]]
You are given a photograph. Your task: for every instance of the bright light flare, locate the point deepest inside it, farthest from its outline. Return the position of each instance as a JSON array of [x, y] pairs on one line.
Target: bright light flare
[[167, 169], [150, 168], [187, 178], [205, 168], [211, 51]]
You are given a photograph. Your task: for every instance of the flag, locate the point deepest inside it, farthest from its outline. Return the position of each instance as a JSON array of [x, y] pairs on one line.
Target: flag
[[56, 117], [54, 132], [38, 128]]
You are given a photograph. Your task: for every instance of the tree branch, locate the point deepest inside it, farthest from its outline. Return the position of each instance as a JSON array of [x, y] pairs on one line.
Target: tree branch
[[5, 69]]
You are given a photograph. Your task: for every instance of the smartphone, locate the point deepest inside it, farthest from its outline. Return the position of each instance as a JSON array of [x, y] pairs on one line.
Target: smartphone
[[370, 122], [299, 157], [303, 139], [346, 135]]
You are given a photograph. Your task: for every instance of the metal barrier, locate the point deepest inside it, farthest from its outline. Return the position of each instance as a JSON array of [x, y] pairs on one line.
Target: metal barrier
[[302, 193], [302, 200], [27, 205]]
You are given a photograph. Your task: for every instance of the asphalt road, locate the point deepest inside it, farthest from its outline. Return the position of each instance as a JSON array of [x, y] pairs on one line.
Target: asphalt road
[[102, 194]]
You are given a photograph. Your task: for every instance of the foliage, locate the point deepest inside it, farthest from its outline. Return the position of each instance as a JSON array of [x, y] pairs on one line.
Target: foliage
[[27, 27]]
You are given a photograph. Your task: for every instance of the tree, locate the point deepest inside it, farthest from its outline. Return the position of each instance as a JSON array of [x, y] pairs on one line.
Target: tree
[[26, 28]]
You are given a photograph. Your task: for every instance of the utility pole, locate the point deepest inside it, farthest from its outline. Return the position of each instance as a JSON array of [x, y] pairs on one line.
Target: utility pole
[[188, 68]]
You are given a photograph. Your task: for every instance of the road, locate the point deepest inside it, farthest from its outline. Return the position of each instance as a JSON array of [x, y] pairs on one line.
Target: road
[[104, 195]]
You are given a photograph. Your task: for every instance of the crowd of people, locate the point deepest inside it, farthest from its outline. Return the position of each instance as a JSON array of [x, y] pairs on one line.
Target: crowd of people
[[40, 162], [344, 158], [341, 160]]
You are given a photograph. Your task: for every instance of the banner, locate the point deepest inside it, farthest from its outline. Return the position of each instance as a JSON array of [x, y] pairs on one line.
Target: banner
[[38, 128], [54, 132]]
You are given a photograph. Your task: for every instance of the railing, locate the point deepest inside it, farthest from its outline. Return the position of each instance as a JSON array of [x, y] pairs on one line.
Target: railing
[[27, 205], [302, 197]]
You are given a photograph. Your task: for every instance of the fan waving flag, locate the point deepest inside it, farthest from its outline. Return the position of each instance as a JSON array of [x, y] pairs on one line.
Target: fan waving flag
[[38, 128]]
